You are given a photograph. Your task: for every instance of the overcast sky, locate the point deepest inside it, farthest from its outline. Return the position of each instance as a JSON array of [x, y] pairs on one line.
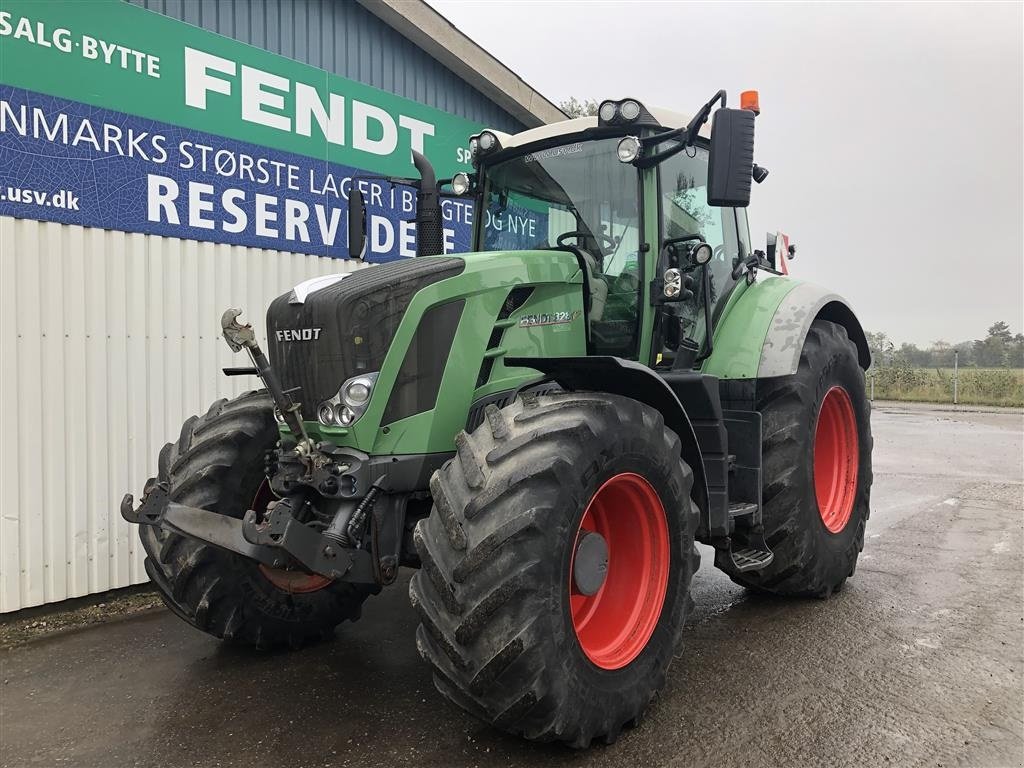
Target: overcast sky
[[893, 132]]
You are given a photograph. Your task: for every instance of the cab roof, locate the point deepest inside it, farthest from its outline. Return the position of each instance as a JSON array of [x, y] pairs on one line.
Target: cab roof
[[666, 118]]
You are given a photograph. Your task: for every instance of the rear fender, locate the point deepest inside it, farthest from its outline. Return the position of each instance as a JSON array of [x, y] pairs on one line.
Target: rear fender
[[763, 330], [629, 379], [792, 321]]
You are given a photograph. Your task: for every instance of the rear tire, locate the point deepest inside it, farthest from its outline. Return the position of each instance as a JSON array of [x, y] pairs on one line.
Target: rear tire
[[814, 528], [218, 464], [501, 622]]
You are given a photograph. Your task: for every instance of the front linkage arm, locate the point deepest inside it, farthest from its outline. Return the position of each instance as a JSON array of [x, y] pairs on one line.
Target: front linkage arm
[[241, 337]]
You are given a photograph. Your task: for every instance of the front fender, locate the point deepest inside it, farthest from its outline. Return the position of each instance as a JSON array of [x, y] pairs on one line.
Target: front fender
[[762, 332], [630, 379]]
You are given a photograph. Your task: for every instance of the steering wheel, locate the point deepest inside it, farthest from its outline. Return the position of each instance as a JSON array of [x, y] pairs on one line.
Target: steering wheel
[[603, 238]]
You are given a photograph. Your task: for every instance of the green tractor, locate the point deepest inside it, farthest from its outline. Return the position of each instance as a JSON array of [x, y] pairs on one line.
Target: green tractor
[[543, 428]]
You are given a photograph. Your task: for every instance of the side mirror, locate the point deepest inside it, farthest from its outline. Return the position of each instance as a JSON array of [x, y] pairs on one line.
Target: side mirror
[[356, 224], [731, 163]]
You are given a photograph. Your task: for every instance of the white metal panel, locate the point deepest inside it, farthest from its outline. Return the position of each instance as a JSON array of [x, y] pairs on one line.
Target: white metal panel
[[108, 342]]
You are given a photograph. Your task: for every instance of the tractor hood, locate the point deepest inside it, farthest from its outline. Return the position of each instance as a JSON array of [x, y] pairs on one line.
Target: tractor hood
[[434, 329], [328, 330]]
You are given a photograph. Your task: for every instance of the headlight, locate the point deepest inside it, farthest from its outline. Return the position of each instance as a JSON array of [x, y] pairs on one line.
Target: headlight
[[460, 183], [488, 141], [702, 253], [628, 149], [629, 109], [625, 112], [673, 283], [357, 391], [353, 397], [325, 414]]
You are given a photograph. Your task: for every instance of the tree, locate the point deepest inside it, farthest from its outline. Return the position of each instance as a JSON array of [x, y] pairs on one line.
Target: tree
[[573, 107], [996, 349], [966, 357], [1017, 351], [881, 347], [1000, 330], [912, 355], [941, 354]]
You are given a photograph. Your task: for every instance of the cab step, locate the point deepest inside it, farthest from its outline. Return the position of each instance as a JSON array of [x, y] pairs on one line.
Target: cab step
[[751, 559], [741, 509], [746, 551]]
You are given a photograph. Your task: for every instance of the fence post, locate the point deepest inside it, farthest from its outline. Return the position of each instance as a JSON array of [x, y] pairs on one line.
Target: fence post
[[956, 372], [872, 387]]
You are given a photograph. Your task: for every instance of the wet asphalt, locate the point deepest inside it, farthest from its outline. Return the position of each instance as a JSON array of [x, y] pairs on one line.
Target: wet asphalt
[[919, 661]]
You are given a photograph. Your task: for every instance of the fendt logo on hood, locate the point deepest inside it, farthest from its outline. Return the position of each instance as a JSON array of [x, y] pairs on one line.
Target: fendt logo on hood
[[299, 334]]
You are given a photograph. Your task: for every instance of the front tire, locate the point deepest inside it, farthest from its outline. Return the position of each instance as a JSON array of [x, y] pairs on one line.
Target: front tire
[[816, 469], [218, 464], [509, 633]]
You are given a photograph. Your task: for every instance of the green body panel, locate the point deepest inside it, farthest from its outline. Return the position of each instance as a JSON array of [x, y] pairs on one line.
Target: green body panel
[[484, 285], [743, 326], [556, 339]]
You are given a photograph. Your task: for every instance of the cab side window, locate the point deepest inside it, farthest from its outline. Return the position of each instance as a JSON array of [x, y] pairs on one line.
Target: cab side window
[[685, 211]]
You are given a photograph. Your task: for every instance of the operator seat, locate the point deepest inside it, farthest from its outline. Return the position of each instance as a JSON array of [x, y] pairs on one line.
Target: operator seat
[[598, 287]]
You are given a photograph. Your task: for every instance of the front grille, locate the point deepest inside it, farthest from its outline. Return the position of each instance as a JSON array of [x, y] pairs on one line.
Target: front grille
[[346, 328], [419, 378]]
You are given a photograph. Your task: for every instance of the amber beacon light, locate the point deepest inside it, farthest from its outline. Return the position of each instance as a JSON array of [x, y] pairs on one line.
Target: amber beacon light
[[748, 100]]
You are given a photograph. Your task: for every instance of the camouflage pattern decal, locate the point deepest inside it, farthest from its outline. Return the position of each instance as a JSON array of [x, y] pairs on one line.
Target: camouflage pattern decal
[[780, 354]]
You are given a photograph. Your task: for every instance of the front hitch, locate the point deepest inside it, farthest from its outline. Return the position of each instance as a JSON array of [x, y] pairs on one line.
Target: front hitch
[[277, 541], [314, 551], [222, 531]]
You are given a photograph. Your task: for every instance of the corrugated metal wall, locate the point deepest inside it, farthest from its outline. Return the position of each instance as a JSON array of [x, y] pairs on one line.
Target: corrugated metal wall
[[109, 340], [342, 37]]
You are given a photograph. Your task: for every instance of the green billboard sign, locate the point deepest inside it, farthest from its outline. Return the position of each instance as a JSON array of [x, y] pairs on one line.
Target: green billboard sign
[[110, 54], [117, 117]]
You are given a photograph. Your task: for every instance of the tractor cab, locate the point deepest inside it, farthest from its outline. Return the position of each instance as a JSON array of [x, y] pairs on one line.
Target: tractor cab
[[625, 191]]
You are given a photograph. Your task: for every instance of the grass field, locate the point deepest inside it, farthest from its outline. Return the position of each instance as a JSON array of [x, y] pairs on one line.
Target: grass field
[[976, 386]]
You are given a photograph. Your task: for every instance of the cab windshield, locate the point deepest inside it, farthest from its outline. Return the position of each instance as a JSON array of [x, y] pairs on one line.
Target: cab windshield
[[576, 194]]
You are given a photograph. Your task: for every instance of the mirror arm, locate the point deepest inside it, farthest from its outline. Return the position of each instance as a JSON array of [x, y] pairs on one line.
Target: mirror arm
[[693, 129], [661, 138], [690, 132], [649, 161]]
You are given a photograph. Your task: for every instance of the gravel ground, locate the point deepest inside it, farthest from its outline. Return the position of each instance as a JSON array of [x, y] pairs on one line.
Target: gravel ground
[[919, 661]]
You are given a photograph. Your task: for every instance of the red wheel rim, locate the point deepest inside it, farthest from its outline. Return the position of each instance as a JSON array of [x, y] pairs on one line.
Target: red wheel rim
[[295, 582], [836, 457], [614, 624]]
